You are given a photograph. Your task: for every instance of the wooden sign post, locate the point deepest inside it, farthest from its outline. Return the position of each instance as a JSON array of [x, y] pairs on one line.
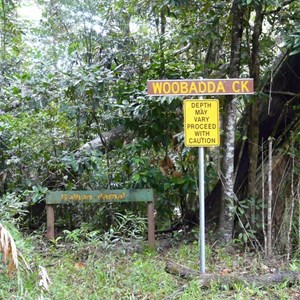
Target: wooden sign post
[[101, 196], [201, 122]]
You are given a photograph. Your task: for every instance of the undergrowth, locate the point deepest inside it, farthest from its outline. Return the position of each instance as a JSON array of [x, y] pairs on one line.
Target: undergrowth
[[91, 271]]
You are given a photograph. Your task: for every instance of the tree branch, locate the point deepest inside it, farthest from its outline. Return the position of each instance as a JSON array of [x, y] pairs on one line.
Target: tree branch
[[105, 140], [279, 8], [183, 49], [281, 93]]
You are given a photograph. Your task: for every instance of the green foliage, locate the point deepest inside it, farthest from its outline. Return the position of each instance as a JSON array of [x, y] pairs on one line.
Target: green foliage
[[247, 232], [293, 42], [125, 225], [130, 225], [82, 70], [74, 236], [12, 208]]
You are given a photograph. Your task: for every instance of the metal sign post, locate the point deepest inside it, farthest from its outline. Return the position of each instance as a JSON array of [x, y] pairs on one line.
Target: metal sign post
[[201, 210], [201, 122], [201, 129]]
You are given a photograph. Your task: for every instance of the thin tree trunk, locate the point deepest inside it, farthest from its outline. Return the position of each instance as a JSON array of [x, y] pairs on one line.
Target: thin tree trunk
[[270, 196], [298, 200], [163, 24], [3, 33], [291, 214], [228, 196], [263, 195], [254, 113]]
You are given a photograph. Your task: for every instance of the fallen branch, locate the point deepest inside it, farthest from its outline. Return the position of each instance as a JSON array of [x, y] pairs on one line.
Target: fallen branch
[[207, 279], [181, 271]]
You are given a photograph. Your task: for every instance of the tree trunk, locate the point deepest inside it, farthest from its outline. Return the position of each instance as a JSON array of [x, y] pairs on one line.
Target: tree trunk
[[163, 24], [268, 249], [3, 32], [277, 120], [254, 112], [228, 196]]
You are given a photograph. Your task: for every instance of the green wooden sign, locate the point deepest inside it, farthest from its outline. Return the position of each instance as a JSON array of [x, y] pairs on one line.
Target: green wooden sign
[[124, 195]]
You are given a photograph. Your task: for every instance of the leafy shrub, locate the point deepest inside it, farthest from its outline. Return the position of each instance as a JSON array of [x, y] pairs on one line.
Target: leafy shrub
[[129, 225], [12, 208]]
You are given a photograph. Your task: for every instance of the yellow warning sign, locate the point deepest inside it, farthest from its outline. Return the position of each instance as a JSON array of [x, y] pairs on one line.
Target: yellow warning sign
[[201, 123]]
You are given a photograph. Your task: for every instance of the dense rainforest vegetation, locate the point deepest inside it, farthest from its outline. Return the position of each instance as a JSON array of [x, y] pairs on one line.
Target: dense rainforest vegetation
[[75, 115]]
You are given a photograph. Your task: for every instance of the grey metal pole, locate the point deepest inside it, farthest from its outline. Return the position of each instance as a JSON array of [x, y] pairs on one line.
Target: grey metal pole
[[201, 210]]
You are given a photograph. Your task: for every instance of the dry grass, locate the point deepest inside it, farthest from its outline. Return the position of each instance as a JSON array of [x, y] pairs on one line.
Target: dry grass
[[8, 250]]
